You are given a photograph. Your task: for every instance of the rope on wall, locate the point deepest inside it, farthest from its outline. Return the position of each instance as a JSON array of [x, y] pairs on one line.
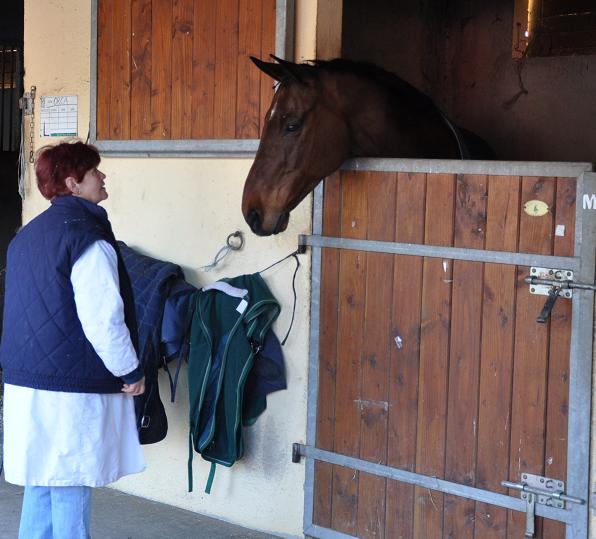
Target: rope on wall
[[234, 242]]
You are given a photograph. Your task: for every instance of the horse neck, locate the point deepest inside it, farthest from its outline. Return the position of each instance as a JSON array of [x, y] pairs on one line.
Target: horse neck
[[390, 126]]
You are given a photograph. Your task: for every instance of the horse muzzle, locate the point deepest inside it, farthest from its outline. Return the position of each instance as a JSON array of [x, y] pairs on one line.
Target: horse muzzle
[[271, 224]]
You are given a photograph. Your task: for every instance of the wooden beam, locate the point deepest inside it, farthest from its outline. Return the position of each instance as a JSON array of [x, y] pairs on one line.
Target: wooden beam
[[329, 25]]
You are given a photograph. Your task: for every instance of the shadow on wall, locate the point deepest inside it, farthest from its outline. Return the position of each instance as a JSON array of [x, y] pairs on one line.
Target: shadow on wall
[[10, 210]]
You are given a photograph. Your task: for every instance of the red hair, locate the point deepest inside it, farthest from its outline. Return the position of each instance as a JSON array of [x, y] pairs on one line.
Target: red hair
[[56, 163]]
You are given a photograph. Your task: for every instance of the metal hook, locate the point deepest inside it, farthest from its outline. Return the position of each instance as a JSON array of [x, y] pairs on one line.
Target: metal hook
[[235, 245]]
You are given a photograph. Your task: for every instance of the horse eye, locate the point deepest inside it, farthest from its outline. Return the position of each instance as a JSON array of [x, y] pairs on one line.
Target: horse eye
[[291, 127]]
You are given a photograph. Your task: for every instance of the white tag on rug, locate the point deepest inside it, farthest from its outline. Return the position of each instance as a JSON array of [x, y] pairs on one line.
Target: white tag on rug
[[242, 306]]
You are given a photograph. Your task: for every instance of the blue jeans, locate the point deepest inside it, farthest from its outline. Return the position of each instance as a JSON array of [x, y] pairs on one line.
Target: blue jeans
[[55, 513]]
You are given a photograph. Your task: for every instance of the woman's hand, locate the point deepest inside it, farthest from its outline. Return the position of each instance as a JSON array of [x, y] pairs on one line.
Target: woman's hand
[[138, 388]]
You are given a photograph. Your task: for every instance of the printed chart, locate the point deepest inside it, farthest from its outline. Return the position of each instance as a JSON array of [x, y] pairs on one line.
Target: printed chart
[[59, 116]]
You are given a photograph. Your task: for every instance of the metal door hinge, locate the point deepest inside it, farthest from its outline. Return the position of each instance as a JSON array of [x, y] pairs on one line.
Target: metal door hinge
[[542, 490]]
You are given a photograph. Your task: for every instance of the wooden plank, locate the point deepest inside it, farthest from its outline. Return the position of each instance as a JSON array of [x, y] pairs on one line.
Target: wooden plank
[[496, 364], [140, 105], [104, 60], [434, 355], [203, 73], [405, 354], [267, 48], [248, 94], [226, 61], [555, 462], [120, 72], [349, 345], [182, 49], [564, 239], [161, 73], [164, 56], [531, 351], [327, 351], [374, 405], [464, 362]]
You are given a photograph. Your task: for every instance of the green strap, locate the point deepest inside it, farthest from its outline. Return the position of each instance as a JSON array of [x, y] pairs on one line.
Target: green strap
[[190, 453], [210, 479]]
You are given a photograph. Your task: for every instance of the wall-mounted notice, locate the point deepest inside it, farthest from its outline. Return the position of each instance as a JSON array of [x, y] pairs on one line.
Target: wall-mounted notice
[[59, 116]]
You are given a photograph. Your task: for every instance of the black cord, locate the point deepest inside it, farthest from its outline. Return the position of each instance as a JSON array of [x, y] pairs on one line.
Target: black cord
[[295, 255]]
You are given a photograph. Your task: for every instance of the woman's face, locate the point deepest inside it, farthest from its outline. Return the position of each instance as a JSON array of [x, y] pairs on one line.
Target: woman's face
[[92, 187]]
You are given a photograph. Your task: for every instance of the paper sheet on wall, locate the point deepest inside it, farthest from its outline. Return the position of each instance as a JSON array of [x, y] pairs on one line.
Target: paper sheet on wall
[[59, 116]]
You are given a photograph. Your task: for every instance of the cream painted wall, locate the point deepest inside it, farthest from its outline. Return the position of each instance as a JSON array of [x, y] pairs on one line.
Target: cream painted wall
[[182, 210]]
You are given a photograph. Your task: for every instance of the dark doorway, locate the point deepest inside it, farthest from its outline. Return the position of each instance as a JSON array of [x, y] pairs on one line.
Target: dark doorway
[[11, 88], [528, 108]]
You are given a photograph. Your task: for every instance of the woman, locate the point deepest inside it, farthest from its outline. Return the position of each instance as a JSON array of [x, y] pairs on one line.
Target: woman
[[68, 351]]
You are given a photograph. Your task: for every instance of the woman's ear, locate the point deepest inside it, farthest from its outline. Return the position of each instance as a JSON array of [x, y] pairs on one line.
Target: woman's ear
[[72, 185]]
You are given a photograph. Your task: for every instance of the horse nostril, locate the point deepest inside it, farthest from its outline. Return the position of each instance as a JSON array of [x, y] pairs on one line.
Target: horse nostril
[[282, 221], [253, 219]]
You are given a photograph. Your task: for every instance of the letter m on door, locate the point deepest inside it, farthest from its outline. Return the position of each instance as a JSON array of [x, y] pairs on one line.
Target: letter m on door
[[589, 202]]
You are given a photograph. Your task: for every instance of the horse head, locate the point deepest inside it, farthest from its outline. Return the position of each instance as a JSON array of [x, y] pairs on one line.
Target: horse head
[[304, 139], [326, 111]]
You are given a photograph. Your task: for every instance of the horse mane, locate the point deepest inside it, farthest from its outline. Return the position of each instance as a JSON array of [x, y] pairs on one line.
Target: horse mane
[[397, 86]]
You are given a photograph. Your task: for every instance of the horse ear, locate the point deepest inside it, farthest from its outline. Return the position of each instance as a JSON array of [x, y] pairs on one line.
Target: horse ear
[[295, 71], [282, 71], [275, 71]]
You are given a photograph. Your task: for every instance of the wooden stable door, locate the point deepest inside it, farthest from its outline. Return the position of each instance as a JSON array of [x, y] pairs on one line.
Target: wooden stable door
[[436, 366]]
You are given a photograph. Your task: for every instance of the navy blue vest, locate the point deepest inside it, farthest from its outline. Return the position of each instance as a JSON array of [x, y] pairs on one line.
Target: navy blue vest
[[43, 344]]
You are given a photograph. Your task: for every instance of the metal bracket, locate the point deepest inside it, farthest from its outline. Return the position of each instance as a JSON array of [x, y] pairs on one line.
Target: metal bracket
[[296, 452], [26, 102], [552, 283], [542, 280], [543, 490], [301, 244], [562, 279], [530, 513]]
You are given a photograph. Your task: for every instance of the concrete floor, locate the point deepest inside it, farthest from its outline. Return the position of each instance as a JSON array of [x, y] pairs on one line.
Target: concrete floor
[[116, 515]]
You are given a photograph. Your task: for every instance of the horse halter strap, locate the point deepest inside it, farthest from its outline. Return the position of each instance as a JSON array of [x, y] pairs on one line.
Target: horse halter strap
[[464, 152]]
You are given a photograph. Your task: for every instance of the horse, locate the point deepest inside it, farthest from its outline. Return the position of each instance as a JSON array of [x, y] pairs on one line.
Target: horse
[[324, 112]]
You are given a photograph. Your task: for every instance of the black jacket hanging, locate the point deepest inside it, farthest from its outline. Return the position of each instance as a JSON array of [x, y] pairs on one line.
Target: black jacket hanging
[[164, 305]]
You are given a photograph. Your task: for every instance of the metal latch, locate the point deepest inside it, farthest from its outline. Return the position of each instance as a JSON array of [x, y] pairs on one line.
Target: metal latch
[[542, 280], [543, 490], [553, 283], [26, 102]]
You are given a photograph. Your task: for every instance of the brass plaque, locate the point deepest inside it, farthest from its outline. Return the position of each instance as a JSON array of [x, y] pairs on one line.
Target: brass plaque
[[536, 208]]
